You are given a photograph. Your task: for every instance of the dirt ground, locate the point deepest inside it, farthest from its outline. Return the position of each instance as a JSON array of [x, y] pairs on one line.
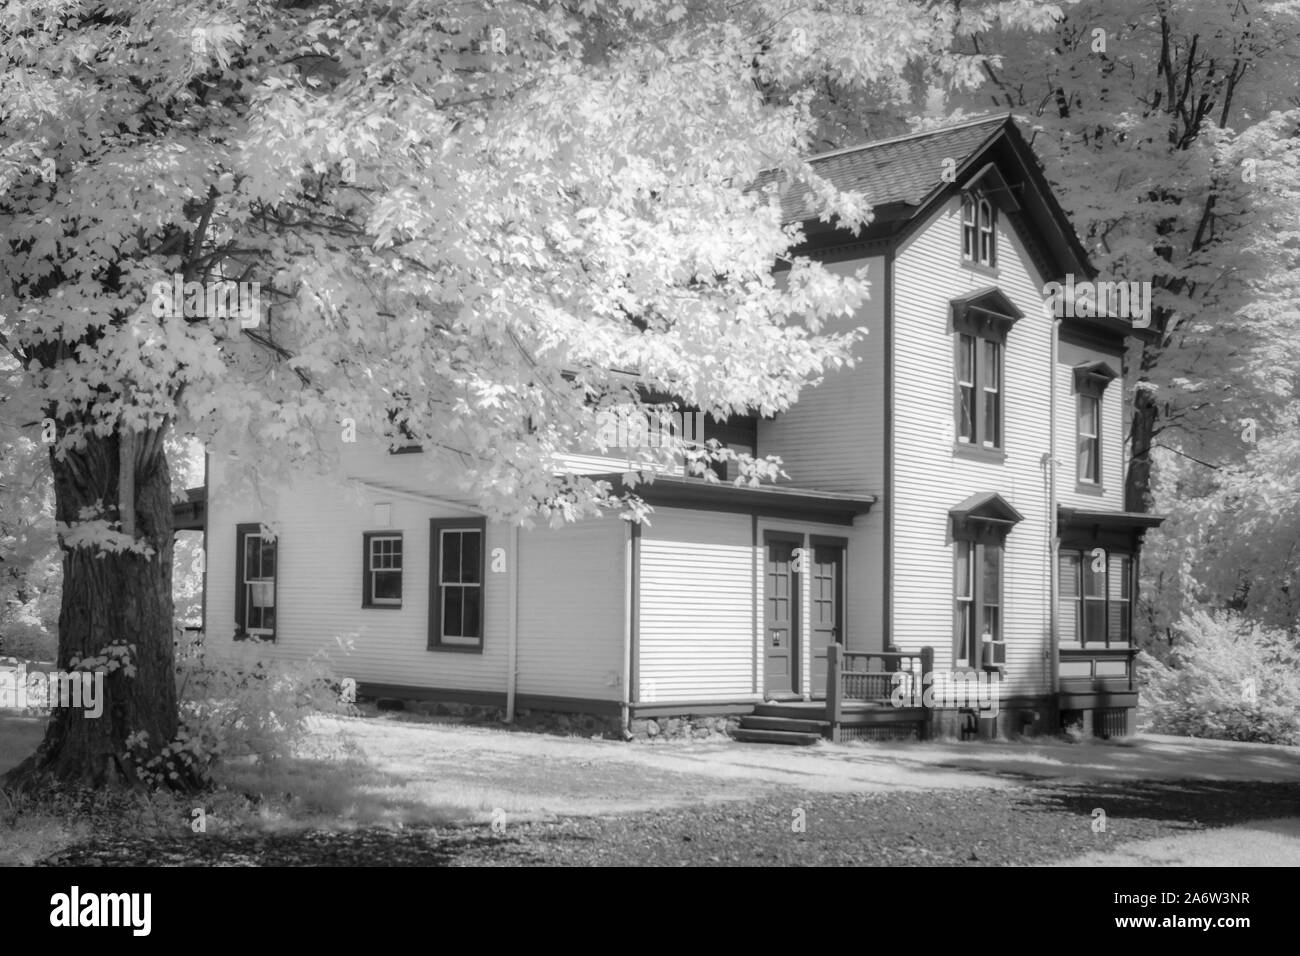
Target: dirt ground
[[387, 788]]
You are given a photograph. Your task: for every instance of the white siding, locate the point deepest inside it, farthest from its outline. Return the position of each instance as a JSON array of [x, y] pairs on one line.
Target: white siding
[[571, 610], [701, 604], [319, 587], [571, 607], [928, 479], [696, 627], [833, 439]]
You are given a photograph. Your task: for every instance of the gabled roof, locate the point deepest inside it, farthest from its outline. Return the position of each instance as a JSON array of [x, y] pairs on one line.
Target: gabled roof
[[905, 169], [904, 180]]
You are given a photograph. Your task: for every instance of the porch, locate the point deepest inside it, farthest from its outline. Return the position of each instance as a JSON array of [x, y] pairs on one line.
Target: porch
[[870, 695], [1099, 684]]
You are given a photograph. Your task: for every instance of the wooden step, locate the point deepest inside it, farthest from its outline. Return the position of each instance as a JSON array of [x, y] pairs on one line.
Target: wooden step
[[797, 725], [795, 710], [775, 737]]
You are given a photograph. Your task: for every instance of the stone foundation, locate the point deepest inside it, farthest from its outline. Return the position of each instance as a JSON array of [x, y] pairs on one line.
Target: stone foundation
[[690, 726], [542, 721]]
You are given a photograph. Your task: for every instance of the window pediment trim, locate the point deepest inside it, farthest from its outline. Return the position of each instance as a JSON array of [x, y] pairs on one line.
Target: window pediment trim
[[987, 313], [1091, 378], [982, 516]]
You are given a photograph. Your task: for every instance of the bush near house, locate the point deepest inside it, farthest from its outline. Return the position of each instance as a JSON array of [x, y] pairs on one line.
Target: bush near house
[[243, 705], [1226, 678]]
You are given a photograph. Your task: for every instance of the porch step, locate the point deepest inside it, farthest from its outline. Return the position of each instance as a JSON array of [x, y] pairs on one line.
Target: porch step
[[775, 737], [795, 710], [791, 724]]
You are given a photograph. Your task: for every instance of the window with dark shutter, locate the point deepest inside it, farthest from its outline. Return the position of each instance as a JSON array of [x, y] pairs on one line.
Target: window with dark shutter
[[256, 566], [456, 575], [381, 584]]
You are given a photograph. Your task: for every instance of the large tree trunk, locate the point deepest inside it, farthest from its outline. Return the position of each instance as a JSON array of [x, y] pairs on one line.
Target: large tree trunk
[[1142, 432], [109, 598]]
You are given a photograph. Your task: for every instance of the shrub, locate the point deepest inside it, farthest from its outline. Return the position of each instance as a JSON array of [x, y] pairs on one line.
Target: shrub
[[239, 705], [1226, 679]]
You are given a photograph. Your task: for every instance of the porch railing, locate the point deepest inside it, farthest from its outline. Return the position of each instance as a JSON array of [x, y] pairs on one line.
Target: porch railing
[[873, 677]]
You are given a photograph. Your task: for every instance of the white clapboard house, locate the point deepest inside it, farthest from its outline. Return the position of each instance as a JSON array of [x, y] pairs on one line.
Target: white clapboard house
[[921, 531]]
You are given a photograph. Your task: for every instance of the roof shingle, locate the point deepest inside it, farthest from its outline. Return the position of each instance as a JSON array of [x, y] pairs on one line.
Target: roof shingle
[[905, 169]]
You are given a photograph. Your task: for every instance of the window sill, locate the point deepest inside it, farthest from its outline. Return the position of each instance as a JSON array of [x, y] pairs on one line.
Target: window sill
[[457, 648], [978, 453], [1088, 488], [255, 638], [380, 607], [980, 268]]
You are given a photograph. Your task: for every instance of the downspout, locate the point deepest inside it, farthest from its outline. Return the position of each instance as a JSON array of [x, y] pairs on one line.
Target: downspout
[[1053, 538], [512, 626], [628, 611]]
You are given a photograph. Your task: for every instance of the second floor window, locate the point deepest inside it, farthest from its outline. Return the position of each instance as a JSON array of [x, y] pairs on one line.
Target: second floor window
[[1090, 381], [1089, 448], [979, 391]]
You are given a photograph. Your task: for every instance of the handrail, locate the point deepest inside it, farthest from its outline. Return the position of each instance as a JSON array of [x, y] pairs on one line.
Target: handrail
[[846, 682]]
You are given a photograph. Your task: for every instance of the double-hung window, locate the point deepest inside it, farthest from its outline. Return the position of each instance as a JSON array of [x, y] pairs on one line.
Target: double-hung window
[[1090, 381], [255, 573], [979, 391], [381, 584], [456, 565], [980, 525], [981, 323]]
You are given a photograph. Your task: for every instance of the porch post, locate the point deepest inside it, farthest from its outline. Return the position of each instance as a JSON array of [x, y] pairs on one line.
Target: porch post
[[927, 669], [834, 690]]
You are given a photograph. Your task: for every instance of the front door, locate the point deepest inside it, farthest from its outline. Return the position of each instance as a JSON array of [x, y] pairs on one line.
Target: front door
[[781, 611], [826, 610]]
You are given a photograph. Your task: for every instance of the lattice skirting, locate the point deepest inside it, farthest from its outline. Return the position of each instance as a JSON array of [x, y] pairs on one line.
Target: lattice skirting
[[883, 732]]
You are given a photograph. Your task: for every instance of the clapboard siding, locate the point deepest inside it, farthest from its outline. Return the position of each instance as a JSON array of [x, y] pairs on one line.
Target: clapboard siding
[[864, 585], [319, 586], [571, 610], [696, 626], [1113, 435], [833, 438], [928, 479]]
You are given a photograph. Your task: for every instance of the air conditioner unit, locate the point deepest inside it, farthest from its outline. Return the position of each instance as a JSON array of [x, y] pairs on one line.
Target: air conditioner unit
[[995, 653]]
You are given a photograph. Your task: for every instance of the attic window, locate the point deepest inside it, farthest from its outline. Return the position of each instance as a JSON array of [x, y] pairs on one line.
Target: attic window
[[978, 229]]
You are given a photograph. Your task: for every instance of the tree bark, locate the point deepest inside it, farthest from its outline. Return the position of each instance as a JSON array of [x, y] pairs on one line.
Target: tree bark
[[1142, 430], [112, 597]]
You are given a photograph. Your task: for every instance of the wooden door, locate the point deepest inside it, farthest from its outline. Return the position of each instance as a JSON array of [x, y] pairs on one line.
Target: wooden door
[[826, 608], [780, 612]]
